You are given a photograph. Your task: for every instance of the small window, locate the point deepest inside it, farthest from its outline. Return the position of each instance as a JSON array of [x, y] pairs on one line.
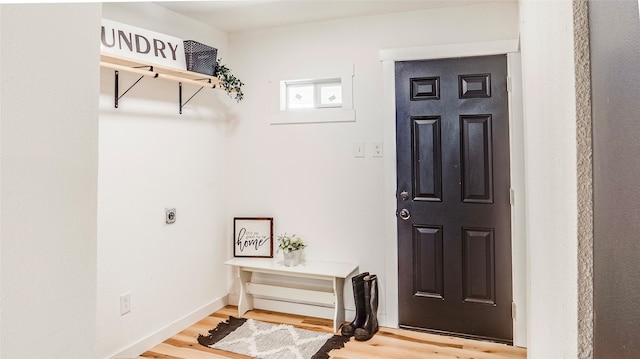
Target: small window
[[300, 96], [330, 94], [313, 94]]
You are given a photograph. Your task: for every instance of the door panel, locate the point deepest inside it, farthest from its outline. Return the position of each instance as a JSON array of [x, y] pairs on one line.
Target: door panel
[[427, 161], [477, 171], [478, 265], [428, 261], [454, 230]]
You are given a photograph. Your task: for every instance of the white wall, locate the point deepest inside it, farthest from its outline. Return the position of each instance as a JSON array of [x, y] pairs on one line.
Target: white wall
[[550, 165], [305, 175], [151, 158], [48, 181]]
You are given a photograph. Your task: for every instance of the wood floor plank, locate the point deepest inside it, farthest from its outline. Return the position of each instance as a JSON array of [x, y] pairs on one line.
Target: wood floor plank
[[388, 343]]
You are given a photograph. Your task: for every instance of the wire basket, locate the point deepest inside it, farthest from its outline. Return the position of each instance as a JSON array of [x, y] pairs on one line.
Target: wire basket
[[200, 57]]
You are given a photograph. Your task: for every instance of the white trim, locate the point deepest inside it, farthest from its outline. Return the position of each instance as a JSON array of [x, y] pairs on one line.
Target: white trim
[[313, 115], [451, 50], [388, 58], [390, 185], [162, 334], [518, 215]]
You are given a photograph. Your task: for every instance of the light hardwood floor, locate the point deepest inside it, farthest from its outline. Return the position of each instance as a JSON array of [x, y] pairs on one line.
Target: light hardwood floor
[[388, 343]]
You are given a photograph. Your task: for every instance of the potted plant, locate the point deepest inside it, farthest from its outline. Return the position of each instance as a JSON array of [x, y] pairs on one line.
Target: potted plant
[[291, 247], [228, 81]]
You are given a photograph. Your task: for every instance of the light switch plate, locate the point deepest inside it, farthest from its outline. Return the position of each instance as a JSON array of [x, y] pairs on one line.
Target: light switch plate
[[125, 303], [358, 149]]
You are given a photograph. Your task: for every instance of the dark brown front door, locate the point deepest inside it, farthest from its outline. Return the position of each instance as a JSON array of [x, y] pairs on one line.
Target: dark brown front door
[[454, 226]]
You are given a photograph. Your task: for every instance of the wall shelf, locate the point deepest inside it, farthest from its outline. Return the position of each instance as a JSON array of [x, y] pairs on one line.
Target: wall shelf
[[156, 71]]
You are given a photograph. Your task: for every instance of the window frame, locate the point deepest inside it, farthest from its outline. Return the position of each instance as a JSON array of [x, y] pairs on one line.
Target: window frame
[[317, 84], [280, 115]]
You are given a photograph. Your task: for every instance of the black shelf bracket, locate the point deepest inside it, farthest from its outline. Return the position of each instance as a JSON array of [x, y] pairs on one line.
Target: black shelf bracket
[[182, 104], [117, 80]]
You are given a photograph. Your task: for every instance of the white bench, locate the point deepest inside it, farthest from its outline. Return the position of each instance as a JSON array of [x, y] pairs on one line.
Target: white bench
[[330, 271]]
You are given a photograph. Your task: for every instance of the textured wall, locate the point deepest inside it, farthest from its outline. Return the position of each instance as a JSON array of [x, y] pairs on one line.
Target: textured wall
[[615, 54], [585, 178]]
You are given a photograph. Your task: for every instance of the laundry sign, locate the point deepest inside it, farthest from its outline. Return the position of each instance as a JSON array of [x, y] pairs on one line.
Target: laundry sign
[[139, 44]]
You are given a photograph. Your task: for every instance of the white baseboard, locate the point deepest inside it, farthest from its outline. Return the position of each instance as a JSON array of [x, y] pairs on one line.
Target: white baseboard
[[170, 330]]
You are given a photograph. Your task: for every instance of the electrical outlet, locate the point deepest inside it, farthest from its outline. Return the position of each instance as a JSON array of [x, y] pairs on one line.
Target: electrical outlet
[[170, 215], [377, 149], [125, 303]]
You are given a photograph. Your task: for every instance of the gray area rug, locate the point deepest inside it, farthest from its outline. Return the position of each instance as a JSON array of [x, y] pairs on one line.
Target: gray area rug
[[270, 341]]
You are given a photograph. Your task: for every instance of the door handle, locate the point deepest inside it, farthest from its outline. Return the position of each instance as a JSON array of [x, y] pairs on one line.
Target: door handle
[[404, 214]]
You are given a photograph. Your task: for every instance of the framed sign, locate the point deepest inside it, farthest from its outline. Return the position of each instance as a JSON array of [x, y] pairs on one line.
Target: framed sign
[[253, 237]]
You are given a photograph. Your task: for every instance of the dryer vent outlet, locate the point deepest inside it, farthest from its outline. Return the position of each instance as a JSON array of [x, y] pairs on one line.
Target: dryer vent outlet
[[170, 215]]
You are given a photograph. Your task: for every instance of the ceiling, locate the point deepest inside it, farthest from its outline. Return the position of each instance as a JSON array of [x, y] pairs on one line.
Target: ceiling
[[239, 15]]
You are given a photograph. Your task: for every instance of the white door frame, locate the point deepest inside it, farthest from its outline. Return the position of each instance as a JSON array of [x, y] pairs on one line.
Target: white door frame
[[516, 138]]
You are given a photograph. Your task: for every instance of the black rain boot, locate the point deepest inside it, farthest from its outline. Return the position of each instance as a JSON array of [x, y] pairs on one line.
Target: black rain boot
[[358, 297], [370, 326]]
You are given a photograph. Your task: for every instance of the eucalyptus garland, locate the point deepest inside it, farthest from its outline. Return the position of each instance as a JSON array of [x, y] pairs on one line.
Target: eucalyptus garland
[[228, 81]]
